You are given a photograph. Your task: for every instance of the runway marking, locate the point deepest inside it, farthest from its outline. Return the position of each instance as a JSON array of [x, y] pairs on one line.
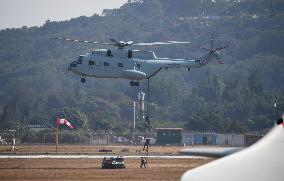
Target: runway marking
[[92, 157]]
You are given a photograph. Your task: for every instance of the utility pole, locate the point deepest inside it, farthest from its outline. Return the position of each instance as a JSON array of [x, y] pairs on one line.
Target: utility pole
[[13, 135], [56, 136], [134, 121], [275, 109], [141, 105]]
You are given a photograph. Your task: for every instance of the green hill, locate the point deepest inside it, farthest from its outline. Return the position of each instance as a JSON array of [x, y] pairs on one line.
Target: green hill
[[34, 85]]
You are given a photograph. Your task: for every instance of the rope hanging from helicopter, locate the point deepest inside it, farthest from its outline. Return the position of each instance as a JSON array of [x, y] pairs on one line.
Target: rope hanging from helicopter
[[147, 125]]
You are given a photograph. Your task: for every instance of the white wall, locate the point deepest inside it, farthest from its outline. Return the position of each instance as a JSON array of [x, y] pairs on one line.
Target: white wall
[[230, 139]]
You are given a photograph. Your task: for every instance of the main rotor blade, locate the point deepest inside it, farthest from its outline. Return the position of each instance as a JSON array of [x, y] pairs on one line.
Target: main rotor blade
[[151, 44], [114, 40], [221, 48], [179, 42], [130, 42], [160, 43], [82, 41], [205, 48]]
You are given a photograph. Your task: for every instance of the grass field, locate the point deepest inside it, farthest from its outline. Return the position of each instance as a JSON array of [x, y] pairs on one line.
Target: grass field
[[90, 169]]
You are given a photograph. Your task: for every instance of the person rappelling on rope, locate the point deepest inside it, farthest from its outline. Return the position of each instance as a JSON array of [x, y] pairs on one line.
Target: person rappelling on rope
[[147, 123], [147, 120], [147, 144]]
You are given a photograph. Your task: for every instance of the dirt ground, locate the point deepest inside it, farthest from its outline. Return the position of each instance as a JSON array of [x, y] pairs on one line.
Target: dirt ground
[[90, 169]]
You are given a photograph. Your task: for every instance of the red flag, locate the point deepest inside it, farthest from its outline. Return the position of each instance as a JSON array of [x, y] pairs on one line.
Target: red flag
[[63, 121]]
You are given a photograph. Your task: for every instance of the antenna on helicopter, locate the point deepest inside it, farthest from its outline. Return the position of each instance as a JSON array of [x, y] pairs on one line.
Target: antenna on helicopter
[[212, 41]]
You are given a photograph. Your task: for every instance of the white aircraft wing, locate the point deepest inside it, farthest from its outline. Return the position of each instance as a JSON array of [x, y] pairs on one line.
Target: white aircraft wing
[[216, 152], [263, 161]]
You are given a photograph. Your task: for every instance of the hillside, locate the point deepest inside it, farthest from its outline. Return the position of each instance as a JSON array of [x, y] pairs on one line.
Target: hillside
[[34, 85]]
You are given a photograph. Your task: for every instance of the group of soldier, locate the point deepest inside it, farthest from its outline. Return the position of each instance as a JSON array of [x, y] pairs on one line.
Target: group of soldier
[[146, 146], [147, 143]]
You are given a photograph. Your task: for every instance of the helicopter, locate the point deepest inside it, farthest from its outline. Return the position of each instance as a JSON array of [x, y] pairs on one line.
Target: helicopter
[[134, 65]]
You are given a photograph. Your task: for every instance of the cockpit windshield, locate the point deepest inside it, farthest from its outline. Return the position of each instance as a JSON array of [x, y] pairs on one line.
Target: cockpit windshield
[[78, 60]]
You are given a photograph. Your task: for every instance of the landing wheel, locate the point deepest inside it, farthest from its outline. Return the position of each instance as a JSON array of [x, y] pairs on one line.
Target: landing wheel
[[83, 80]]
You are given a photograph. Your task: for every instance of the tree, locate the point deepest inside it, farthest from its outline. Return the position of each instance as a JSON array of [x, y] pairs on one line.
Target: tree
[[255, 83], [100, 125], [33, 67]]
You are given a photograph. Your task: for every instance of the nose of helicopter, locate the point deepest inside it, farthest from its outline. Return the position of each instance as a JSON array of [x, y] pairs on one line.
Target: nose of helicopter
[[72, 66], [69, 67]]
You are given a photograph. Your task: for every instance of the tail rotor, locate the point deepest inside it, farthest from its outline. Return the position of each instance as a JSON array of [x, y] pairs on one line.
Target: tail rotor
[[214, 51]]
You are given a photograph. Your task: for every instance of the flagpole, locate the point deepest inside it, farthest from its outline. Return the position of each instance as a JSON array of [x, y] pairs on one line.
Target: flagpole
[[56, 136], [275, 107]]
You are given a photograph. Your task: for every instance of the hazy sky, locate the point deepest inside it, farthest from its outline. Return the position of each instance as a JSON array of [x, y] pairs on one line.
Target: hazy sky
[[18, 13]]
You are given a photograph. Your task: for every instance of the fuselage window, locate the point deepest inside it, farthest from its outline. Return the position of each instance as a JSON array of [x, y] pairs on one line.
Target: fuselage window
[[109, 53], [91, 62], [106, 64], [129, 54], [197, 61], [120, 64]]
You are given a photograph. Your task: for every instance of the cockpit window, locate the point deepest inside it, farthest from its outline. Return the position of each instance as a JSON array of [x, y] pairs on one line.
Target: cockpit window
[[92, 62], [79, 60]]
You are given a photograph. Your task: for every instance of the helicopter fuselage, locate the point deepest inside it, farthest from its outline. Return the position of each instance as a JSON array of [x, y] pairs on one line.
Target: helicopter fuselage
[[129, 64]]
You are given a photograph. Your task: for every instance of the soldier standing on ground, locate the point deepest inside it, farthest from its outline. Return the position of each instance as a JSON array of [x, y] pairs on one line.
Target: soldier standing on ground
[[143, 162]]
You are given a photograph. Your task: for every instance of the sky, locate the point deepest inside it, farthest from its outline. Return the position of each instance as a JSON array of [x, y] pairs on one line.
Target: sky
[[18, 13]]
